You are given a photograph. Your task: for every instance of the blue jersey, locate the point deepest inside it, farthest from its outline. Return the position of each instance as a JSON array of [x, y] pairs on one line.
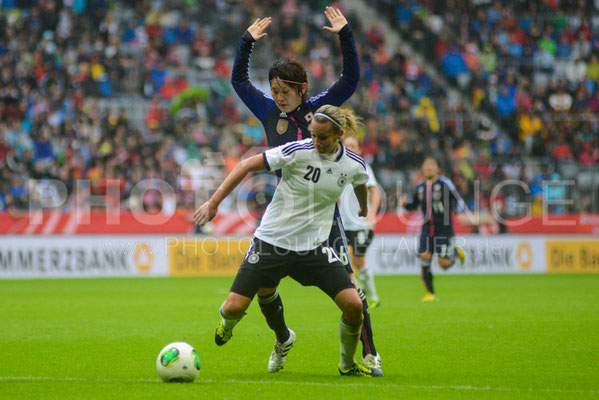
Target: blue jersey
[[437, 200], [280, 127]]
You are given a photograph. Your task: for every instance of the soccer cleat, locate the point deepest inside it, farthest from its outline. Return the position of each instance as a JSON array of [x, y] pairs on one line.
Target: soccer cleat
[[357, 369], [374, 363], [461, 255], [276, 362], [373, 303], [222, 336], [429, 297]]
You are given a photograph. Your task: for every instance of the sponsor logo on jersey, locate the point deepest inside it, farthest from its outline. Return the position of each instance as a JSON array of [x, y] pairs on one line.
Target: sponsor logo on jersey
[[282, 126], [330, 171], [253, 258]]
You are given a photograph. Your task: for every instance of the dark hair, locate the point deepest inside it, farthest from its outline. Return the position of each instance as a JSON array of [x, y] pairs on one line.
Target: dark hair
[[290, 69]]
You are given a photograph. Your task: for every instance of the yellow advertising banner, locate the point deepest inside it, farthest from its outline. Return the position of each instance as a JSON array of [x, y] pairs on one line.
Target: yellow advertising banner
[[573, 256], [205, 256]]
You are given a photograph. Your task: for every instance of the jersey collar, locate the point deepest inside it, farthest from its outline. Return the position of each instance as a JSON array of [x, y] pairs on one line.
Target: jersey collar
[[341, 151]]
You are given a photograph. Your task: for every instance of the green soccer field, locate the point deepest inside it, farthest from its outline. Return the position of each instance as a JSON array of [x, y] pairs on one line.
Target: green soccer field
[[488, 337]]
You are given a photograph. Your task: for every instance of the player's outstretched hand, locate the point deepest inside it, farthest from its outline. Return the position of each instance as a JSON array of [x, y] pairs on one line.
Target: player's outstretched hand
[[258, 28], [336, 19], [205, 213], [404, 200]]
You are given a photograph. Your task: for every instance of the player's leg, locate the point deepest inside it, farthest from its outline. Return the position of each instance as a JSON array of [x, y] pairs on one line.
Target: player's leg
[[425, 255], [257, 270], [232, 310], [324, 270], [448, 252], [350, 325], [338, 241], [272, 308], [275, 262], [360, 241]]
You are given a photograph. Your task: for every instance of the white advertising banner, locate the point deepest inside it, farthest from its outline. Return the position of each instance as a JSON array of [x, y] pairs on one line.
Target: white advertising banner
[[397, 254], [82, 256]]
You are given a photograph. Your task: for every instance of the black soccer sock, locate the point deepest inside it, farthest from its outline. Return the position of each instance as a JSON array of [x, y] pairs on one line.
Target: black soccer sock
[[427, 277], [366, 334], [272, 308]]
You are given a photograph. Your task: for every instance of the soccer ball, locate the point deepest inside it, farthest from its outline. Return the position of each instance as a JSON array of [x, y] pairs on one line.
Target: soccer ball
[[178, 362]]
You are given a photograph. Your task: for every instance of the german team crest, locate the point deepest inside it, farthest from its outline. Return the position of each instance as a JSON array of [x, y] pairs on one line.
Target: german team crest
[[342, 180], [253, 258], [282, 126]]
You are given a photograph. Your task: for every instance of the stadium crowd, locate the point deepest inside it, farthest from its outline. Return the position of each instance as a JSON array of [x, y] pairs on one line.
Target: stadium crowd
[[57, 58]]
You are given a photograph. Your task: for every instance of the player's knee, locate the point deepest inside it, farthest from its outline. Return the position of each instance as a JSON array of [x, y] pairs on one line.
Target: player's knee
[[425, 256], [359, 262], [234, 306], [264, 292], [445, 263], [353, 310]]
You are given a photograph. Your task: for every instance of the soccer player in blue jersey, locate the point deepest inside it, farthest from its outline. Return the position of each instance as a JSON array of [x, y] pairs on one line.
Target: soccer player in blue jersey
[[437, 197], [293, 236], [286, 114]]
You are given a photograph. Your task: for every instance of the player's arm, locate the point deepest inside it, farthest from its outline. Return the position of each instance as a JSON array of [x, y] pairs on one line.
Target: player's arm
[[460, 206], [375, 204], [410, 204], [208, 210], [253, 98], [347, 84], [362, 195]]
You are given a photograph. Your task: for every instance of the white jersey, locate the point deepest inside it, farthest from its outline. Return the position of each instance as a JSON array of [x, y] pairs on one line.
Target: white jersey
[[300, 215], [349, 206]]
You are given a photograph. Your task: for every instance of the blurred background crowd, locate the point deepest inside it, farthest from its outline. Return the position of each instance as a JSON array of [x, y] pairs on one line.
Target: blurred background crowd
[[125, 97]]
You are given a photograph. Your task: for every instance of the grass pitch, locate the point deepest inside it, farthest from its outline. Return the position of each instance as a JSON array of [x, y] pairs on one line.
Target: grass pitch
[[488, 337]]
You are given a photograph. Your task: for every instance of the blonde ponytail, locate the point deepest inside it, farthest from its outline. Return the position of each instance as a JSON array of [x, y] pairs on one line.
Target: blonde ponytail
[[341, 117]]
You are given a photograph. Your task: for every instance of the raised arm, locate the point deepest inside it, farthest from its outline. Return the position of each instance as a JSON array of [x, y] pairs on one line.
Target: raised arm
[[347, 83], [253, 98], [208, 210]]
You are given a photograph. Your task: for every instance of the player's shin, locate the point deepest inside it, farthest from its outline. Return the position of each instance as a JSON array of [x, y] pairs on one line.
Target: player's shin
[[368, 277], [427, 276], [272, 308], [348, 335], [366, 334], [229, 321]]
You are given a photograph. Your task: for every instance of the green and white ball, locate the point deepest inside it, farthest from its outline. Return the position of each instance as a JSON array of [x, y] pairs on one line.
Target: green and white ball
[[178, 362]]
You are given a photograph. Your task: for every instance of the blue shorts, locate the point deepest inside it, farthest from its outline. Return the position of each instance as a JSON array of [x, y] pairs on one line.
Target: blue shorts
[[440, 244]]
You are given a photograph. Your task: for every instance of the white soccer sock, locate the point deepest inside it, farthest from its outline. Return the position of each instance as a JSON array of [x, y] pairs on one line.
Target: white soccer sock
[[230, 322], [349, 336], [368, 276]]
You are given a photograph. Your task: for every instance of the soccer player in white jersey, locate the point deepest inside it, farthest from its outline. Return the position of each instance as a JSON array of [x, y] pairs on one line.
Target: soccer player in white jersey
[[359, 230], [292, 237]]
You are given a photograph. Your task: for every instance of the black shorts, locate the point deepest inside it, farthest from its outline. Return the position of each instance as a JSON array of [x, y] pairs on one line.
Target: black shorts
[[265, 265], [359, 241], [440, 244], [338, 241]]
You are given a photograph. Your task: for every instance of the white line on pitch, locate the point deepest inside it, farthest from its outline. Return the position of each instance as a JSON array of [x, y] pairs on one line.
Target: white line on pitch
[[344, 384]]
